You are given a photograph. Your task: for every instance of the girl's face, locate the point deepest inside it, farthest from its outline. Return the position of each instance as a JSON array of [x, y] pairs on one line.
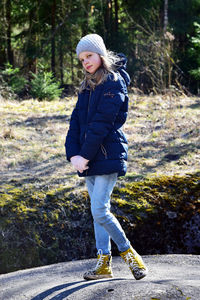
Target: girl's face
[[91, 61]]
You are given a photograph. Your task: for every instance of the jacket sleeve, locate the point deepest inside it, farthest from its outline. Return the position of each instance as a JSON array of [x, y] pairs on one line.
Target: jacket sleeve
[[103, 120], [72, 143]]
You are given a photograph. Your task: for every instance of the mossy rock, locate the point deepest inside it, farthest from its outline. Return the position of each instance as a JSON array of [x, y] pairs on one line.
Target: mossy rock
[[159, 215], [38, 228]]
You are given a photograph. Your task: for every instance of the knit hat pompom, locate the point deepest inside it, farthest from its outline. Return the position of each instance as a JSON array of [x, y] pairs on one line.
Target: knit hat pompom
[[91, 43]]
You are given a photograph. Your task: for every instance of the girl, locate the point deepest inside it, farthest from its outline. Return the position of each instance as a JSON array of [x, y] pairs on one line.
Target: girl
[[97, 147]]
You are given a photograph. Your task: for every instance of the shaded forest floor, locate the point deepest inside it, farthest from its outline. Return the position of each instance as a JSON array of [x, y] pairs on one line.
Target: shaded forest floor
[[163, 134]]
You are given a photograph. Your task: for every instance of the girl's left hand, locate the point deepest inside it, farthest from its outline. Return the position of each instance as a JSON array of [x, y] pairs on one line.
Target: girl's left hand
[[79, 163]]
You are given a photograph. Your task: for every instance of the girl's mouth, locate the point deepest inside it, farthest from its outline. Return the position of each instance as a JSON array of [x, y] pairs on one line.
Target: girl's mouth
[[88, 67]]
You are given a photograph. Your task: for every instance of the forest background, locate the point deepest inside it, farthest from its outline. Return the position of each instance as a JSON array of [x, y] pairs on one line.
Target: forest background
[[44, 208], [161, 39]]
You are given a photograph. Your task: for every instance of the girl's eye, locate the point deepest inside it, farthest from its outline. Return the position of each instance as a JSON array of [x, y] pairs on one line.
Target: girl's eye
[[88, 56]]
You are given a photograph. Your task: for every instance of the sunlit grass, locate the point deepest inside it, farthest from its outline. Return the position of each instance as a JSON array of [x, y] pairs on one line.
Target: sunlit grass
[[32, 137]]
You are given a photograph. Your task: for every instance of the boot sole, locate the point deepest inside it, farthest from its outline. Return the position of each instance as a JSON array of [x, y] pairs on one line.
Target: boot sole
[[96, 277]]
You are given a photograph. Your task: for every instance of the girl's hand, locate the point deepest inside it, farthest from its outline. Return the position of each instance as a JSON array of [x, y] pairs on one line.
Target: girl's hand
[[79, 163]]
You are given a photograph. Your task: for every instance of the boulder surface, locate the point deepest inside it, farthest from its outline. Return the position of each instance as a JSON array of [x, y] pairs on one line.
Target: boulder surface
[[173, 276]]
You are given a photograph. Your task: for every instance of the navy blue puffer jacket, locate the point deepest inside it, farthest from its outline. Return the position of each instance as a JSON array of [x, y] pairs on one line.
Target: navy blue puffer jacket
[[95, 130]]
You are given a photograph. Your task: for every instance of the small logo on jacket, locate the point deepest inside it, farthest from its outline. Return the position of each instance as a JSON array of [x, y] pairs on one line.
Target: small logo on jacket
[[109, 94]]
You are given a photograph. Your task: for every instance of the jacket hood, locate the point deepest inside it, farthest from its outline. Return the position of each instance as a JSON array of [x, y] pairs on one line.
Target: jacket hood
[[121, 68]]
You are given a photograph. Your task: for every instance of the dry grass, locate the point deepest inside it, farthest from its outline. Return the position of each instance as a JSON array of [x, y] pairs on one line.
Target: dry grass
[[163, 134]]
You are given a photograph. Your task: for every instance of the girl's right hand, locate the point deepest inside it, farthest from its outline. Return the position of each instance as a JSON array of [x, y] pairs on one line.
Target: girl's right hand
[[79, 163]]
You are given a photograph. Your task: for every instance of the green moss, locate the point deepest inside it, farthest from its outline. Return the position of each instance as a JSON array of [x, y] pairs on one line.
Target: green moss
[[39, 227], [121, 202], [168, 191], [44, 222], [161, 208]]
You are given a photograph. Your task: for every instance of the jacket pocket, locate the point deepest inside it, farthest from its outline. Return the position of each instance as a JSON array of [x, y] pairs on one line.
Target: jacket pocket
[[103, 150]]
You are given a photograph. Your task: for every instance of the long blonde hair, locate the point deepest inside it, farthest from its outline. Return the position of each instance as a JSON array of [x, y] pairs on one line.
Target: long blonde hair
[[109, 64]]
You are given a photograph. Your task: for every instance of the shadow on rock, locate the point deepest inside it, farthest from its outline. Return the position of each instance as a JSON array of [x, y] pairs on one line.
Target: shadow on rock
[[81, 285]]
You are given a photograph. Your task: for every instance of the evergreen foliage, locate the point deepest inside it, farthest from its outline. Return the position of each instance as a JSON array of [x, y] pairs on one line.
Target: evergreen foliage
[[31, 36], [13, 78], [5, 91], [44, 86], [195, 51]]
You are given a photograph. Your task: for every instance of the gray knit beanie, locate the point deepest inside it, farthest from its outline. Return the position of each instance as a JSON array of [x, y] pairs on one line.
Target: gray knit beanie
[[92, 43]]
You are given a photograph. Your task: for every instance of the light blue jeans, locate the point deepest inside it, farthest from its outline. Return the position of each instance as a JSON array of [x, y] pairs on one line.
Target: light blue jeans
[[106, 226]]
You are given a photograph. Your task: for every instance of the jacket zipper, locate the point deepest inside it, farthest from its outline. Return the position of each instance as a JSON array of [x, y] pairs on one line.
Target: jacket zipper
[[86, 172], [88, 109]]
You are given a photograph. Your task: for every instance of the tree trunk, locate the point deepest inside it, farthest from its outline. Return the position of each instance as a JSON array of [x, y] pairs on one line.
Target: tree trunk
[[53, 24], [72, 66], [32, 57], [116, 16], [61, 58], [72, 59], [108, 22], [9, 51], [103, 20], [86, 6], [165, 15]]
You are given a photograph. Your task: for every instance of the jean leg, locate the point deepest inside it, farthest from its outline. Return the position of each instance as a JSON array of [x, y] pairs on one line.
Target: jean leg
[[102, 237], [100, 206]]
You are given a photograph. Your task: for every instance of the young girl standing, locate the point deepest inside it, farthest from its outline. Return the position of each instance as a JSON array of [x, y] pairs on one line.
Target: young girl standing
[[97, 147]]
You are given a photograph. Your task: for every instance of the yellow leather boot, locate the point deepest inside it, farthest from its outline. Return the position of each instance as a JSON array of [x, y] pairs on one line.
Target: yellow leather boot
[[102, 269], [135, 263]]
